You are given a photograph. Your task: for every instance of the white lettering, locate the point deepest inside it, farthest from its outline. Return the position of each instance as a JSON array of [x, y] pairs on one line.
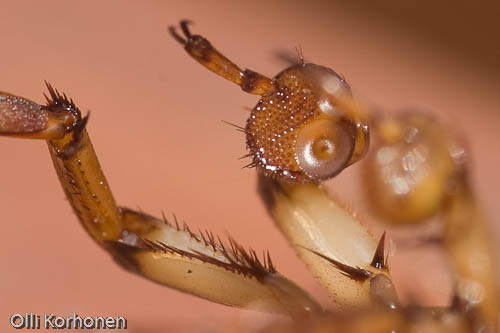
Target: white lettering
[[48, 321], [17, 321], [73, 322], [99, 322], [121, 323], [88, 322], [110, 323], [59, 322], [77, 321]]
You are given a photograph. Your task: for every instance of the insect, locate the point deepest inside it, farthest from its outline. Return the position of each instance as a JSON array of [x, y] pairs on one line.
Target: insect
[[330, 134]]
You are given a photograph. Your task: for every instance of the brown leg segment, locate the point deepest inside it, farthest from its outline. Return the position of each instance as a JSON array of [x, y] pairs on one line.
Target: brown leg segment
[[80, 173], [202, 51], [61, 124]]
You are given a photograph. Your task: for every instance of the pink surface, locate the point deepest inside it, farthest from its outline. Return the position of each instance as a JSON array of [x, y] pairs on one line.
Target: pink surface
[[156, 125]]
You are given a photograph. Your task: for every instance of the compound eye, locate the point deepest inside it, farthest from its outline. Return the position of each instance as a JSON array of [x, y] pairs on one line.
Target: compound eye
[[324, 147]]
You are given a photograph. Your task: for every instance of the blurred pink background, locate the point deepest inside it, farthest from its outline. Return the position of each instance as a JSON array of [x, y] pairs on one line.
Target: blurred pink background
[[156, 125]]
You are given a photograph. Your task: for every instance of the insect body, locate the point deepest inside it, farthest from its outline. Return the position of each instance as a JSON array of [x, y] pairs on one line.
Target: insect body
[[306, 128]]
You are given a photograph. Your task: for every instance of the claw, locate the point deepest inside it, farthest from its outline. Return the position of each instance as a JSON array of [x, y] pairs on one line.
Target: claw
[[177, 37], [379, 261], [185, 30]]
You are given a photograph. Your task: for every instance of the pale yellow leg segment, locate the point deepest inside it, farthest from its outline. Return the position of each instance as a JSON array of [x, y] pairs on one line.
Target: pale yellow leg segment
[[337, 249]]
